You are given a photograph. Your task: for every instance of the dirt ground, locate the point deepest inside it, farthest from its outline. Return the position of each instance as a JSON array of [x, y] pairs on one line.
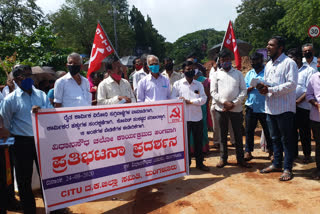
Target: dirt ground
[[228, 190]]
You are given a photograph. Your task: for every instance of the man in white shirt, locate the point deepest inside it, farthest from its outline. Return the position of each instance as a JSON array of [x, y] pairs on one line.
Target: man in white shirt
[[140, 74], [228, 89], [172, 75], [138, 65], [192, 92], [309, 58], [154, 86], [10, 87], [303, 107], [114, 89], [72, 89], [279, 87]]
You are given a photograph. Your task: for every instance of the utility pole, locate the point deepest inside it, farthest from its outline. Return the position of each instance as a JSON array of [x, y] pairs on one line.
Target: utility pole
[[115, 26]]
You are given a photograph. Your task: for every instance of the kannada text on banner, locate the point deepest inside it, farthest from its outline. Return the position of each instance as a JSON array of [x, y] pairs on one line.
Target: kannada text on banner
[[87, 153]]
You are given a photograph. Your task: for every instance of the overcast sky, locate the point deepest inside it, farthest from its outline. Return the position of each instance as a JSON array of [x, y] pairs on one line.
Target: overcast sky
[[175, 18]]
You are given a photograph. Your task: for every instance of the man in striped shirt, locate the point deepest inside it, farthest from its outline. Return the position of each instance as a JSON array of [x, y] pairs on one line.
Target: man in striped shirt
[[281, 75]]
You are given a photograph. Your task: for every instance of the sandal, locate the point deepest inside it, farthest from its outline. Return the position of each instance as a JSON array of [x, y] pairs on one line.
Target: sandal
[[316, 176], [269, 169], [286, 176], [221, 164]]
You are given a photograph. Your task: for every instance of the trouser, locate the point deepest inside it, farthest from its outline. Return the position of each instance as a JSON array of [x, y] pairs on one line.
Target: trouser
[[24, 156], [252, 119], [197, 131], [236, 123], [281, 128], [4, 199], [316, 135], [216, 129], [303, 125]]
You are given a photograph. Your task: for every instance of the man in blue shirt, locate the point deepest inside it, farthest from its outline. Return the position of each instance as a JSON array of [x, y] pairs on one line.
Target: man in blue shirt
[[16, 113], [255, 107]]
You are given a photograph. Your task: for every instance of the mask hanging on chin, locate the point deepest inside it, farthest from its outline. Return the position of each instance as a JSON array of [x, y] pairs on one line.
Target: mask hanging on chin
[[27, 84], [138, 67], [116, 77], [74, 69]]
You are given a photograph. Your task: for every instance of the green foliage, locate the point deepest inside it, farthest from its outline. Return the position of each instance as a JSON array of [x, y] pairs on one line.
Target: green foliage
[[18, 16], [257, 21], [76, 22], [145, 34], [299, 16], [197, 43], [37, 49]]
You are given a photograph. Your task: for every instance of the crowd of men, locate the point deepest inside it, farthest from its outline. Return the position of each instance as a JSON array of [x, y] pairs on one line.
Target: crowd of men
[[283, 95]]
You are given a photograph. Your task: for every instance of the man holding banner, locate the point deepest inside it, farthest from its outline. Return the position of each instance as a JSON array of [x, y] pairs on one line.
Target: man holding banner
[[16, 113], [114, 89], [154, 86], [72, 89]]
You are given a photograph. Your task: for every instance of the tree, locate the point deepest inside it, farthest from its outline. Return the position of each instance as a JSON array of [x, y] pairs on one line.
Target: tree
[[146, 36], [76, 22], [37, 49], [299, 16], [196, 43], [257, 21], [19, 17]]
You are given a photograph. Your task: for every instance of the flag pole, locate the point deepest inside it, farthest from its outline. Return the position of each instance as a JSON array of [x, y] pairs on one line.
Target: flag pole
[[115, 51], [224, 37], [223, 41]]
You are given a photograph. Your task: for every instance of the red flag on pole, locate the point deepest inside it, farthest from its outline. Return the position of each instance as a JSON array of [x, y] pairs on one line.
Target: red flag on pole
[[101, 48], [230, 42]]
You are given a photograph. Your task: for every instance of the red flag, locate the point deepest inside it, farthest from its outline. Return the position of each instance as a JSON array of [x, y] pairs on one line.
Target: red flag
[[101, 48], [230, 42]]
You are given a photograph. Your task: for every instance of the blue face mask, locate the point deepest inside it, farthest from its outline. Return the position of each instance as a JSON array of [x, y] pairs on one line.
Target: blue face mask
[[27, 84], [154, 68]]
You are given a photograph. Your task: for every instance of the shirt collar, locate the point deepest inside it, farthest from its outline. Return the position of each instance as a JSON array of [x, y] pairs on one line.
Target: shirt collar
[[68, 76], [260, 71], [20, 91], [314, 60], [280, 58], [185, 81], [150, 77]]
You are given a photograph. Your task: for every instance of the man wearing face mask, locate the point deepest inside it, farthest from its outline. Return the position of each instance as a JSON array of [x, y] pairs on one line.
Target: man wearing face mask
[[255, 107], [114, 89], [137, 64], [192, 92], [303, 107], [139, 75], [228, 90], [72, 89], [154, 86], [309, 58], [16, 113], [172, 75]]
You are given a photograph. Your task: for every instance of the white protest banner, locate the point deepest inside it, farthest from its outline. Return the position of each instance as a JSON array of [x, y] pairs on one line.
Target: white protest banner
[[87, 153]]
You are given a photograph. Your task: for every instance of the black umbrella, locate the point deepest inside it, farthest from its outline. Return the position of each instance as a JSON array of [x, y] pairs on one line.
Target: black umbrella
[[244, 48]]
